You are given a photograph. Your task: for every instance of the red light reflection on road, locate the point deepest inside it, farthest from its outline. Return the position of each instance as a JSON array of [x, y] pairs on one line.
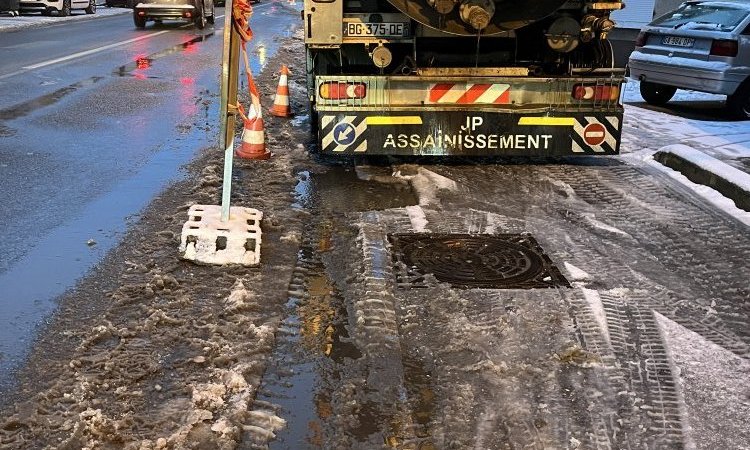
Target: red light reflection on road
[[188, 102], [189, 47], [142, 62]]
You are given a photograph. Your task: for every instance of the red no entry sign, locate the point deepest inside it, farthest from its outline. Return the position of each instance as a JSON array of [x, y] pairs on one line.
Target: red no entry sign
[[594, 134]]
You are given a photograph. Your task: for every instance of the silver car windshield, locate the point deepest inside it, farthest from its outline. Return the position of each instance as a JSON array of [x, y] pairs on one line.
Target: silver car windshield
[[703, 16]]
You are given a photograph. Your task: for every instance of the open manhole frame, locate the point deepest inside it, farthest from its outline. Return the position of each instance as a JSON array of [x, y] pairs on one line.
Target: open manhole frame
[[468, 261]]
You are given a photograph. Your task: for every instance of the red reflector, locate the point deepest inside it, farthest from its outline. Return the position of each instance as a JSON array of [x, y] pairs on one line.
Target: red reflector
[[601, 92], [141, 13], [724, 47], [340, 91], [640, 41], [187, 14]]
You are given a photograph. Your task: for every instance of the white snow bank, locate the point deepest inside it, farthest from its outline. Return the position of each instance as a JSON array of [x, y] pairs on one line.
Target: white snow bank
[[417, 218], [576, 274], [709, 194], [714, 388], [711, 164], [597, 309], [426, 183]]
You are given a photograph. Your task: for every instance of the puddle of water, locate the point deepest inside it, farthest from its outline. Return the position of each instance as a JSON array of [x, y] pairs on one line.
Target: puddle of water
[[31, 285], [311, 342], [142, 63], [345, 192], [300, 120], [28, 290], [313, 353]]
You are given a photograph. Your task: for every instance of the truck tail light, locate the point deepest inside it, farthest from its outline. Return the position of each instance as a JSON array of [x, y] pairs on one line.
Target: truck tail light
[[595, 92], [724, 47], [334, 90], [640, 41], [187, 14]]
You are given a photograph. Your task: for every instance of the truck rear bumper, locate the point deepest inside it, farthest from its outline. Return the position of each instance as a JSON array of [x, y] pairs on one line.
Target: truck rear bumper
[[431, 132]]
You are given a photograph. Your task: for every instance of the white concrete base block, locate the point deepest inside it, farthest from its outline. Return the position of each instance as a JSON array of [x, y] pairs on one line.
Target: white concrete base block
[[206, 239]]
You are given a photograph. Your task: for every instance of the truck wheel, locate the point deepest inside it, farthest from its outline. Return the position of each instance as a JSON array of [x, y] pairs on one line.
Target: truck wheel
[[140, 22], [212, 18], [91, 9], [656, 94], [738, 103], [65, 11], [200, 17]]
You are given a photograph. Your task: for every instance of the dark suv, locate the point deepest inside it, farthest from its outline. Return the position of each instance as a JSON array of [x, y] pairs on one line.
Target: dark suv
[[198, 11]]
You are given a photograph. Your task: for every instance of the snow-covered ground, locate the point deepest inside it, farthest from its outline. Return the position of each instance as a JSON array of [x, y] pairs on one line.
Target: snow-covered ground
[[647, 131]]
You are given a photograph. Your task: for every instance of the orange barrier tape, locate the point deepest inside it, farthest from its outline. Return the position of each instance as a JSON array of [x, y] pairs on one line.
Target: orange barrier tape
[[241, 12]]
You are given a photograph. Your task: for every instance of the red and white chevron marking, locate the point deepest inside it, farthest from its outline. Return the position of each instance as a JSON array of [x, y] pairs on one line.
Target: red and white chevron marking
[[469, 94]]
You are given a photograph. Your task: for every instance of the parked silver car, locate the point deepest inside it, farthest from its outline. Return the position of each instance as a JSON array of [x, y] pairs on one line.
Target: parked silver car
[[702, 46]]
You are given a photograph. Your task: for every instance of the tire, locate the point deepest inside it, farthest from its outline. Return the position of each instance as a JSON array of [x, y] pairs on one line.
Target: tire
[[200, 18], [656, 94], [313, 113], [738, 103], [140, 22], [212, 18], [65, 11], [47, 12], [91, 9]]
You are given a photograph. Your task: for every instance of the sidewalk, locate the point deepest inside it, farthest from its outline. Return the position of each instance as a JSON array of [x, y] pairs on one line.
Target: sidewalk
[[710, 157], [35, 19]]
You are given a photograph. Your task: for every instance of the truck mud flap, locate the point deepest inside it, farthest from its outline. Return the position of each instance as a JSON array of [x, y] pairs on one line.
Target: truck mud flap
[[469, 133]]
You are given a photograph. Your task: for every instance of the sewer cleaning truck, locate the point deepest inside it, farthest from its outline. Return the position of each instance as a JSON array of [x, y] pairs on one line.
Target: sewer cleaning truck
[[463, 77]]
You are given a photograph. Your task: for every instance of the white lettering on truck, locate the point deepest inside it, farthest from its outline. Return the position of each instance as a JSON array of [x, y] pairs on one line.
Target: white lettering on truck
[[469, 141]]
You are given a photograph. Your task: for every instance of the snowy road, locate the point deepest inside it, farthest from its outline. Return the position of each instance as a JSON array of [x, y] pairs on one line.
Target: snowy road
[[647, 348]]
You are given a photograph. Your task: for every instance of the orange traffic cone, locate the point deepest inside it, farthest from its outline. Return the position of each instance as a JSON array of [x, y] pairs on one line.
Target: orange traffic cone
[[280, 106], [253, 138]]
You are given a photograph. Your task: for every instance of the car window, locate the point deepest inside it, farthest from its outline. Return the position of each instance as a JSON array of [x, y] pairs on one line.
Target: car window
[[703, 16]]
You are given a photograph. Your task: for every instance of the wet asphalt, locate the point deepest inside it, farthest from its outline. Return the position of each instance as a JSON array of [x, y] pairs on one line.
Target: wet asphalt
[[96, 118]]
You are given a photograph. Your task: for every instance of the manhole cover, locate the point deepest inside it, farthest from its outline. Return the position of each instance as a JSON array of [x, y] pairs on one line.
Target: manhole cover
[[498, 261]]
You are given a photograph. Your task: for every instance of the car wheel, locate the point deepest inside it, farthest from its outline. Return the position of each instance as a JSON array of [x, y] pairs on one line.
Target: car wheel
[[656, 94], [46, 12], [139, 21], [212, 18], [91, 9], [65, 11], [200, 17], [739, 102]]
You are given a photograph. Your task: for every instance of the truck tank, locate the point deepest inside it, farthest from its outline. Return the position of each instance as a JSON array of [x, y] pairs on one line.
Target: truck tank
[[469, 17]]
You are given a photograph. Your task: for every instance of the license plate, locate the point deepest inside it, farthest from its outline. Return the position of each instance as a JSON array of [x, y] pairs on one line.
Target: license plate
[[381, 29], [678, 41]]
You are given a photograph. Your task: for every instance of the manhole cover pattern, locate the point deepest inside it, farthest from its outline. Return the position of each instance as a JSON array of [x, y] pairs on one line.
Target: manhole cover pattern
[[499, 261]]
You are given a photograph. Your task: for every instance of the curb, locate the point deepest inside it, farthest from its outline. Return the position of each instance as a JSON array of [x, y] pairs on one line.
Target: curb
[[703, 169]]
